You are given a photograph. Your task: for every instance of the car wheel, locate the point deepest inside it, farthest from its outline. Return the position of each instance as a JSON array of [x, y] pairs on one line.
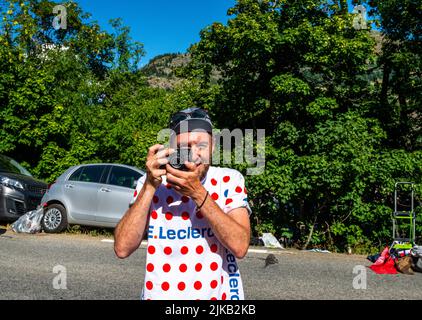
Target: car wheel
[[55, 219]]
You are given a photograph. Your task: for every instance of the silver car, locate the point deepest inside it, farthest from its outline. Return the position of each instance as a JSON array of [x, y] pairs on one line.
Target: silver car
[[89, 194]]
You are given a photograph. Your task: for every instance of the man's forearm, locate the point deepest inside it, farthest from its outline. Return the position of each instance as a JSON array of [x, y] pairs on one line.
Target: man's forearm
[[233, 235], [130, 230]]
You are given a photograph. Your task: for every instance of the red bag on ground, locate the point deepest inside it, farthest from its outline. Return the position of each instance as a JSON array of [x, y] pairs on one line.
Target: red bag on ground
[[384, 264]]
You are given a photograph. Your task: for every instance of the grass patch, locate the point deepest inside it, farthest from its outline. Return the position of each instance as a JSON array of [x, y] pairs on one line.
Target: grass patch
[[91, 231]]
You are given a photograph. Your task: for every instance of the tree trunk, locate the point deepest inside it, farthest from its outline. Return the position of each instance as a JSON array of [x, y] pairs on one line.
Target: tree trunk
[[310, 233]]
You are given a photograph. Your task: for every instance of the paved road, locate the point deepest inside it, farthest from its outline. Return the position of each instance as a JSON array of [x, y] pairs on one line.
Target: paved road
[[93, 272]]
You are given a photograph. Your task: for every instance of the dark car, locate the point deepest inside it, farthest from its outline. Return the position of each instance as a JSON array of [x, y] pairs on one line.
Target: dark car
[[19, 191]]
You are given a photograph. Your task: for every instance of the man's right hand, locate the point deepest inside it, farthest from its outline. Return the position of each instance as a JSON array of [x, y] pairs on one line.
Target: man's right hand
[[157, 156]]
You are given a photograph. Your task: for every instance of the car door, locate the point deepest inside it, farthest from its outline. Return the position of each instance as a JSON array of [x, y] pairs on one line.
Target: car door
[[114, 196], [81, 192]]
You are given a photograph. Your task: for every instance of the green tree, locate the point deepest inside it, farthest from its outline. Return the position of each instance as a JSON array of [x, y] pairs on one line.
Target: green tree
[[63, 92], [302, 71], [400, 94]]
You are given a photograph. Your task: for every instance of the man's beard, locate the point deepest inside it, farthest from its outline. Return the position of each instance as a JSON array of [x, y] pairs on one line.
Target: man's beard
[[204, 170]]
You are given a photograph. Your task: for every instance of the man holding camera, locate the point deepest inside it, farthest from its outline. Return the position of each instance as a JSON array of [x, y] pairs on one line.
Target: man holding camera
[[196, 217]]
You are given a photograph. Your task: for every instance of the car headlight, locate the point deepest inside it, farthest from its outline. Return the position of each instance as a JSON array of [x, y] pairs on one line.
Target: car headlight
[[11, 183]]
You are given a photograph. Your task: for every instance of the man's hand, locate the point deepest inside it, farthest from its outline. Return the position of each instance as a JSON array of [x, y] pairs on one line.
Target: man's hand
[[157, 156], [187, 183]]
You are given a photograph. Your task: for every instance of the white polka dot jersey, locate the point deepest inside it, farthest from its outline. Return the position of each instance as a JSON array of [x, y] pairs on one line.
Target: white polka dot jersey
[[185, 261]]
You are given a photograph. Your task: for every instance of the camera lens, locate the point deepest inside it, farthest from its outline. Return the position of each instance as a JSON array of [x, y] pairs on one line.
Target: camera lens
[[178, 158], [175, 160]]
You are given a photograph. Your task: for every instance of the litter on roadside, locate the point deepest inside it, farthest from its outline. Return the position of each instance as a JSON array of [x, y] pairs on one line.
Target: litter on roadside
[[30, 222], [318, 250], [392, 261], [270, 241], [403, 255], [416, 254]]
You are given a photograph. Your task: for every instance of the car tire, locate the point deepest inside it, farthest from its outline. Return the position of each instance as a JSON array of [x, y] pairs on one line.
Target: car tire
[[54, 219]]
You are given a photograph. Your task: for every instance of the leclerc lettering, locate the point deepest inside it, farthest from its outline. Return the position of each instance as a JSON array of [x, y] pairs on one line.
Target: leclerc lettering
[[150, 232], [189, 233], [230, 258], [196, 234], [171, 234], [233, 275]]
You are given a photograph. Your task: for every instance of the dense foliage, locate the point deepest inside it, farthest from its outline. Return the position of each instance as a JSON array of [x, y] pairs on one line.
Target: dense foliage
[[341, 105], [343, 119]]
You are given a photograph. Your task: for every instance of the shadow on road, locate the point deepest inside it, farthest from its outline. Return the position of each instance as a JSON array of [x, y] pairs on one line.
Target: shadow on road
[[3, 227]]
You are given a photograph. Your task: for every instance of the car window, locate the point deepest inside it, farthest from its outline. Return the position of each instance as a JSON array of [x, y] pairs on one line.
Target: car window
[[91, 174], [76, 175], [105, 174], [9, 165], [123, 177]]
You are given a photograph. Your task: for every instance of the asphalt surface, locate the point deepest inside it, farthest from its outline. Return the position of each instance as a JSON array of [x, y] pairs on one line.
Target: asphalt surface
[[93, 272]]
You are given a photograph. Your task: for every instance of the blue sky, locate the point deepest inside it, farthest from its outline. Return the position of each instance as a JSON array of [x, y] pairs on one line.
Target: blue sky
[[164, 26]]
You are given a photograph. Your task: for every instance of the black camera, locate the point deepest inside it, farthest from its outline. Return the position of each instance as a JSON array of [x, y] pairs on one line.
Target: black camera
[[177, 159]]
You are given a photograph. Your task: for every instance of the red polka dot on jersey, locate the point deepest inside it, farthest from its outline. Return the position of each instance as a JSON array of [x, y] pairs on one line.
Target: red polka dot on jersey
[[185, 215], [245, 191], [154, 214], [155, 199], [150, 267], [213, 298], [165, 286], [222, 279], [214, 266], [214, 284], [135, 193], [149, 285], [198, 267], [214, 248], [151, 249], [228, 201], [185, 199], [214, 196], [169, 215], [226, 179], [197, 285], [199, 249], [168, 186], [167, 250], [199, 215], [169, 199], [183, 267], [166, 267], [213, 182], [238, 189], [184, 250], [181, 286], [224, 296]]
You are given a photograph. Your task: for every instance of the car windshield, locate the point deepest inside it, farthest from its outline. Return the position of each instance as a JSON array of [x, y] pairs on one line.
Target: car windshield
[[9, 165]]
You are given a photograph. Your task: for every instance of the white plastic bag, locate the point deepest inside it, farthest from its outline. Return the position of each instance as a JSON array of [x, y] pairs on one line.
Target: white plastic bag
[[416, 253], [270, 241], [30, 222]]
